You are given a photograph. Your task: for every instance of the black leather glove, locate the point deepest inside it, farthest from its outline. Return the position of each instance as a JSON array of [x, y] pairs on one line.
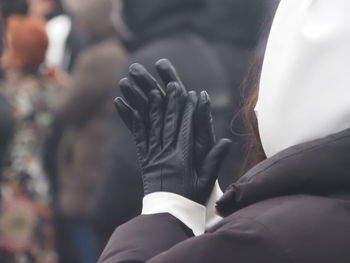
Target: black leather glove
[[136, 88], [173, 133]]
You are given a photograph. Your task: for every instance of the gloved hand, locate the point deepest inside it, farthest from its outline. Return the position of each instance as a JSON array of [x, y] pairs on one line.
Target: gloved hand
[[173, 133]]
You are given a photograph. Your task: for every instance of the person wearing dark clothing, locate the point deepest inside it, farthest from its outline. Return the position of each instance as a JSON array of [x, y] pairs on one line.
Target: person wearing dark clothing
[[120, 191], [167, 29], [19, 7], [235, 30], [294, 204], [85, 114], [25, 195], [160, 29]]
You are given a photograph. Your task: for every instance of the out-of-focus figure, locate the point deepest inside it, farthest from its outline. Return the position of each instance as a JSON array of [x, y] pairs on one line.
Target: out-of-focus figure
[[67, 39], [235, 29], [58, 28], [85, 110], [6, 118], [41, 8], [27, 233], [10, 7]]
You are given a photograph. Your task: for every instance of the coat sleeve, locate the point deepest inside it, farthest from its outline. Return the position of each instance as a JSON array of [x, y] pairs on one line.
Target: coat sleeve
[[144, 237], [162, 238]]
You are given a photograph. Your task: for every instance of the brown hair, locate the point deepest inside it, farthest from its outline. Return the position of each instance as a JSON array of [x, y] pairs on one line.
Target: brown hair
[[253, 149], [26, 42]]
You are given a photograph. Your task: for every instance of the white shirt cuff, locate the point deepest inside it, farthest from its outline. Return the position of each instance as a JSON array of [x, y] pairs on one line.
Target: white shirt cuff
[[211, 217], [188, 212]]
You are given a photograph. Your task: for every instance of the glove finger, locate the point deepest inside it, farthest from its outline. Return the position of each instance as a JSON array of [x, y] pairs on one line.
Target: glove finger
[[125, 112], [135, 124], [203, 129], [175, 99], [143, 79], [156, 122], [168, 73], [213, 162], [135, 97], [185, 139]]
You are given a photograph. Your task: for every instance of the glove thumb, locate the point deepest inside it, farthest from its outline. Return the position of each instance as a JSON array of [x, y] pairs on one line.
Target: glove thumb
[[213, 162]]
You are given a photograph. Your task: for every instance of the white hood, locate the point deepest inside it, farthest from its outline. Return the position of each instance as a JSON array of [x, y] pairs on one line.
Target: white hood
[[305, 83]]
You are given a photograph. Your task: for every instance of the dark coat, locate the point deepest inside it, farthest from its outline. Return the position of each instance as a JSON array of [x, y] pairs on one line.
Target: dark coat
[[235, 28], [119, 196], [293, 207]]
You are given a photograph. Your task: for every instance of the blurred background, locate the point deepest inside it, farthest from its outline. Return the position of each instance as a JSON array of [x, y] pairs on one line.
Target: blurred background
[[68, 169]]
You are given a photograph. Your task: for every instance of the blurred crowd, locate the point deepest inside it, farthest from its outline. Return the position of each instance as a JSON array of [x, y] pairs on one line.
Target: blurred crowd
[[68, 173]]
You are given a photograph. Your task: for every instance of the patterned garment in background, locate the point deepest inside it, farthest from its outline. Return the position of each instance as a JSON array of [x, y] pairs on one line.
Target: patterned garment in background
[[27, 232]]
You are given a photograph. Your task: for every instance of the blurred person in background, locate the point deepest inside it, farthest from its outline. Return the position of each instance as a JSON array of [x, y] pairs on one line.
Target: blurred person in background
[[6, 118], [152, 30], [46, 9], [168, 29], [50, 10], [26, 225], [235, 30], [10, 7], [85, 112], [67, 38]]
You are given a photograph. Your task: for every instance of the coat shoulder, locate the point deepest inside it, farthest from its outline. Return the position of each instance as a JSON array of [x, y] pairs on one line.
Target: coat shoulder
[[307, 228]]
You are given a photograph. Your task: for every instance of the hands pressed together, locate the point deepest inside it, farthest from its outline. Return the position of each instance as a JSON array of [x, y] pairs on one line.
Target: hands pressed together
[[173, 132]]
